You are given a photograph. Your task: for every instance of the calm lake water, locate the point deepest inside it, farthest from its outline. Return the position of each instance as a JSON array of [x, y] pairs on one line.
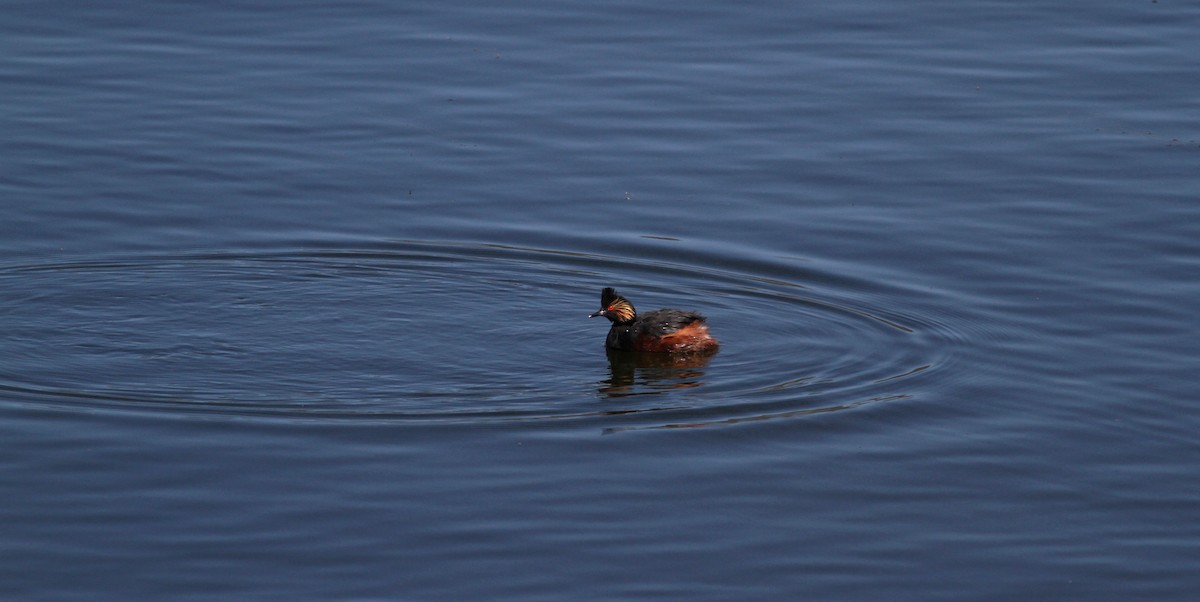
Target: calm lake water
[[293, 301]]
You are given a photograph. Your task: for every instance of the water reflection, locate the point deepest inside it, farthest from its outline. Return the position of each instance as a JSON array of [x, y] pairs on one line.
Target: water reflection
[[639, 373]]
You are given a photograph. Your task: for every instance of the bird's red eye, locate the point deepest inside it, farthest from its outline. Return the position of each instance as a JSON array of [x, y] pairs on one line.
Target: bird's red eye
[[609, 308]]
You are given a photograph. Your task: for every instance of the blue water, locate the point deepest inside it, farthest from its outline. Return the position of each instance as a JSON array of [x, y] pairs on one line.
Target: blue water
[[293, 301]]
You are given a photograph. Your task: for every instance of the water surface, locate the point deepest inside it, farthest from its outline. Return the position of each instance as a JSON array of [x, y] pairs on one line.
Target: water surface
[[294, 302]]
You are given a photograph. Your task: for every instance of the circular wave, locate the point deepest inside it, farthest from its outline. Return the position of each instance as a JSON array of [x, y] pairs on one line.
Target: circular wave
[[421, 331]]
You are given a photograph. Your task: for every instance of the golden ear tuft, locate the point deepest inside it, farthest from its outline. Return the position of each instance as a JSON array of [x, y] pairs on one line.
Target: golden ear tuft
[[612, 302]]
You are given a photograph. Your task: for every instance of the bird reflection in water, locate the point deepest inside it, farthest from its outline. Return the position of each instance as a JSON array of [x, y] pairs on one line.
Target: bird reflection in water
[[639, 373]]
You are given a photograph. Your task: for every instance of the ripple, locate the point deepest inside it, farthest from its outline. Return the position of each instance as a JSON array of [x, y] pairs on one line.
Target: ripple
[[422, 331]]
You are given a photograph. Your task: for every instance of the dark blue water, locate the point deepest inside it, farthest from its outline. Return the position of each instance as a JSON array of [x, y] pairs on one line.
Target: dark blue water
[[293, 301]]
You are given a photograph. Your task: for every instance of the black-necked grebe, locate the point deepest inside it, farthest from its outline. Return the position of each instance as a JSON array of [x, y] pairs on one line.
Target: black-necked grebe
[[662, 331]]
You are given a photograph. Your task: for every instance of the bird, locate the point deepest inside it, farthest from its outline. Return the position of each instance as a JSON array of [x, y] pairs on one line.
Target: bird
[[661, 331]]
